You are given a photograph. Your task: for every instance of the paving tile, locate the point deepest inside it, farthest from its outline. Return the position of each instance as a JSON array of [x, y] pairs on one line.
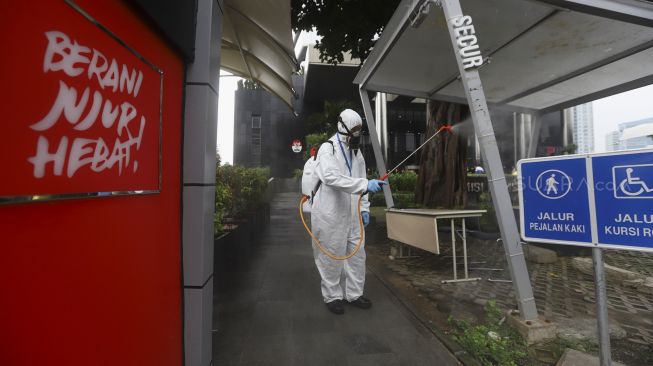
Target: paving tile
[[227, 349], [268, 350], [561, 292], [374, 360], [320, 348]]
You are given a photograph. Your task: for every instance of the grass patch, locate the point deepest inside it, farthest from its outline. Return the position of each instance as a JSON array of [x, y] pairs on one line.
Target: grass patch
[[493, 342]]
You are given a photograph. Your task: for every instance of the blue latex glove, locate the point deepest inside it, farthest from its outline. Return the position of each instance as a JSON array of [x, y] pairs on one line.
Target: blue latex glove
[[366, 218], [374, 185]]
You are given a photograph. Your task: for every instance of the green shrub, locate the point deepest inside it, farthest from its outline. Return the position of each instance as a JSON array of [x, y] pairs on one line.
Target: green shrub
[[238, 190], [488, 221], [223, 199], [403, 190], [314, 140], [403, 182], [297, 174], [401, 200], [491, 343]]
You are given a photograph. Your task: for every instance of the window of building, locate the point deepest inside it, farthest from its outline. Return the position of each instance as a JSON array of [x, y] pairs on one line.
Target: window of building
[[256, 121], [256, 141]]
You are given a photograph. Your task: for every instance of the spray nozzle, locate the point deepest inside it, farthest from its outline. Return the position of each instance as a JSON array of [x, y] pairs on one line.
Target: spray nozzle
[[446, 127]]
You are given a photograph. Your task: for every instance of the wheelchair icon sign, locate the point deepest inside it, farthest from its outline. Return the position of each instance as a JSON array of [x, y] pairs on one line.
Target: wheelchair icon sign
[[633, 181]]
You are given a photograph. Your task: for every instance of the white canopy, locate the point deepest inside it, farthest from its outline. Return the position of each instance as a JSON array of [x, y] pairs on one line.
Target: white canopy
[[257, 44], [539, 55]]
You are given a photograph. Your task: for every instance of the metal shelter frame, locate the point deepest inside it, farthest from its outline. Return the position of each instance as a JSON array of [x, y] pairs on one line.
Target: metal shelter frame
[[624, 10]]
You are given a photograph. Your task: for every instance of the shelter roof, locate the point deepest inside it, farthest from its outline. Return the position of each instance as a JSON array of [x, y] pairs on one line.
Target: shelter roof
[[539, 55], [257, 44]]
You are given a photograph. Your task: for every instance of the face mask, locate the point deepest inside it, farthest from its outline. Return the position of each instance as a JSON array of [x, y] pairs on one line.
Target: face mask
[[353, 138], [355, 141]]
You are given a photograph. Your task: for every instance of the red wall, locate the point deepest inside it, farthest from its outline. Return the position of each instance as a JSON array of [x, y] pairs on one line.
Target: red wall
[[95, 281]]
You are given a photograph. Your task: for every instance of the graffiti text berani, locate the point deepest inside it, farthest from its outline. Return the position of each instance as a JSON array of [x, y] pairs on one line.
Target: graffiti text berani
[[84, 109]]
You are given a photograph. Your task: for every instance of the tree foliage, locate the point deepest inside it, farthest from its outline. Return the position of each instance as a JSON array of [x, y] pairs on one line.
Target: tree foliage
[[247, 84], [321, 126], [344, 25], [325, 121]]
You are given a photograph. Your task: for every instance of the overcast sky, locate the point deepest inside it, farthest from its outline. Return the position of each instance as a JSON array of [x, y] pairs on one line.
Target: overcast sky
[[228, 85], [611, 111]]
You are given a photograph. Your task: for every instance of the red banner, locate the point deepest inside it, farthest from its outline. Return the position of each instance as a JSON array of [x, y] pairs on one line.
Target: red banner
[[82, 110]]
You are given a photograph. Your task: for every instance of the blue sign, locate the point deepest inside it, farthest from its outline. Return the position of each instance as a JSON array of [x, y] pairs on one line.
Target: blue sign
[[623, 191], [554, 200]]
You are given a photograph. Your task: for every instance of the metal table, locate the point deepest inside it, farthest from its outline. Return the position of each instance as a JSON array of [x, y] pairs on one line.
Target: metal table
[[419, 228]]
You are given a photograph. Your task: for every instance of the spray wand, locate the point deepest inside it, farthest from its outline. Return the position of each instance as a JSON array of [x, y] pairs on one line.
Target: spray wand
[[445, 127]]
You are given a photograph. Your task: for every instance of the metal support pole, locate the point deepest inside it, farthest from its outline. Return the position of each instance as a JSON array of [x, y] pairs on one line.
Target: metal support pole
[[381, 120], [378, 155], [437, 237], [455, 256], [536, 127], [601, 308], [523, 133], [514, 138], [465, 249], [477, 150], [522, 136], [567, 125], [496, 176], [453, 250]]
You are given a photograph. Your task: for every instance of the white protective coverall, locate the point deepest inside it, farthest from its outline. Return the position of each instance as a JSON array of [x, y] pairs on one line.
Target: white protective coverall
[[334, 217]]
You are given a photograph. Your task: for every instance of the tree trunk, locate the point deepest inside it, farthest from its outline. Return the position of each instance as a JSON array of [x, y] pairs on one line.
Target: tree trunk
[[442, 174]]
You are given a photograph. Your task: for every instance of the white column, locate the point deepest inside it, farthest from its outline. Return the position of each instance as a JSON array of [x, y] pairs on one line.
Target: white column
[[200, 128], [376, 147], [381, 118], [536, 128]]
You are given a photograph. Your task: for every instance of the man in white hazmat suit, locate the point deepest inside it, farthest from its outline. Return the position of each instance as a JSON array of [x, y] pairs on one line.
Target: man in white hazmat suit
[[334, 214]]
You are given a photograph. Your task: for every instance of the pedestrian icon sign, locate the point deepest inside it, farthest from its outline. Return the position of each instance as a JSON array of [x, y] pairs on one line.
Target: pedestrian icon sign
[[633, 181], [553, 184], [556, 198]]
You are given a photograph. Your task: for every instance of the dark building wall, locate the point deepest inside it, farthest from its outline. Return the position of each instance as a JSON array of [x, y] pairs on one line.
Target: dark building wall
[[406, 125], [332, 83], [551, 135], [175, 20], [270, 144]]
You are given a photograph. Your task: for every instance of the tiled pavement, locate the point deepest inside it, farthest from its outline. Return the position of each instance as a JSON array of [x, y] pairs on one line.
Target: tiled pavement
[[561, 292], [268, 309]]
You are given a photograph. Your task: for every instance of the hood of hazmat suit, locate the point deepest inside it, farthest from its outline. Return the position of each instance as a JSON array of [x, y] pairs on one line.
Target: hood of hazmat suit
[[334, 218], [348, 120]]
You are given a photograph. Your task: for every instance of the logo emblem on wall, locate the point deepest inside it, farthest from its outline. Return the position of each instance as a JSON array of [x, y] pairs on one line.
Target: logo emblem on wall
[[553, 184], [296, 146]]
